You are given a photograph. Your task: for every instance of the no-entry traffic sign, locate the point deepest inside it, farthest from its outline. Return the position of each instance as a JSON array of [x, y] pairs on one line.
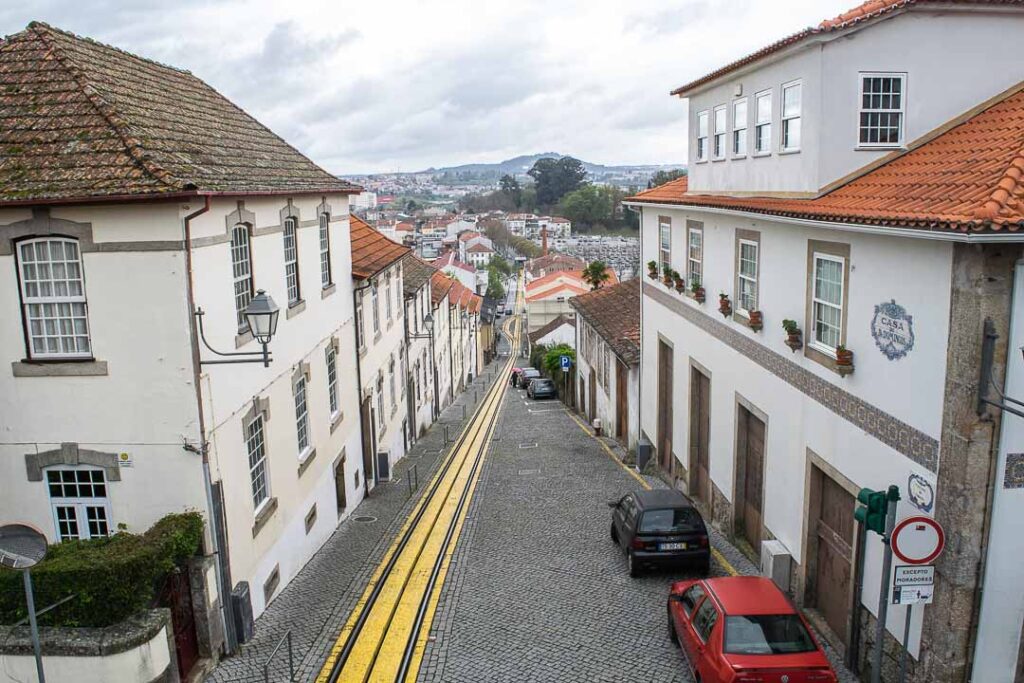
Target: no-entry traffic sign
[[918, 540]]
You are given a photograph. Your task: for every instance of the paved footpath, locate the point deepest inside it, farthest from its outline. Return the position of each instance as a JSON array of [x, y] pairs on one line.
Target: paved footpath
[[537, 590], [316, 603]]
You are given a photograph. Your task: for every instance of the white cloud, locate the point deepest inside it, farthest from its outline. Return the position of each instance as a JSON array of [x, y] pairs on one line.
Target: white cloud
[[408, 84]]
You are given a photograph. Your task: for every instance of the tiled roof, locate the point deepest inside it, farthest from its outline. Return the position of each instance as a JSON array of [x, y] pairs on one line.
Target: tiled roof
[[450, 259], [614, 313], [468, 235], [860, 14], [82, 120], [544, 331], [552, 262], [372, 252], [440, 285], [480, 248], [415, 274], [969, 178]]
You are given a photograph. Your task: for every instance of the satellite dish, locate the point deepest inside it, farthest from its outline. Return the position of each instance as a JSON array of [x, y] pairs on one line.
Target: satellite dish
[[21, 547]]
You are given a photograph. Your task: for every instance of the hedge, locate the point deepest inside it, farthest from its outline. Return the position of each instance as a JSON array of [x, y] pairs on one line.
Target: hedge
[[113, 577]]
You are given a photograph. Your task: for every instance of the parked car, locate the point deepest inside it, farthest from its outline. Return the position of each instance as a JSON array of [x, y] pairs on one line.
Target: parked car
[[743, 628], [526, 376], [660, 528], [541, 387]]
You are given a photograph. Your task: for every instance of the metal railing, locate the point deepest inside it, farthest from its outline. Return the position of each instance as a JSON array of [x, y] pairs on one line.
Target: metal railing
[[273, 653]]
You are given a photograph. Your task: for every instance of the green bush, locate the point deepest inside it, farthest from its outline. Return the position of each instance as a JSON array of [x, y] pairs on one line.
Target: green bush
[[113, 578]]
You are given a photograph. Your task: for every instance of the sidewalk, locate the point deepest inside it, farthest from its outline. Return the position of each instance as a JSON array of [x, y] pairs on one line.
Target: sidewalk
[[315, 605]]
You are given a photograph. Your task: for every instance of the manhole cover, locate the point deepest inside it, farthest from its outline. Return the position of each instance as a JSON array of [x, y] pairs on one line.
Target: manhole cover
[[364, 518]]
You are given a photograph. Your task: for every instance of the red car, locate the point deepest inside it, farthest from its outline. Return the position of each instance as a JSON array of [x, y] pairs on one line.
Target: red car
[[743, 629]]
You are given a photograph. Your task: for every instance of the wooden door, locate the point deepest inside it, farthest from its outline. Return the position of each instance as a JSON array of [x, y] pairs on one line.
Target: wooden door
[[749, 476], [834, 533], [700, 428], [621, 404], [592, 402], [177, 595], [665, 406], [339, 485]]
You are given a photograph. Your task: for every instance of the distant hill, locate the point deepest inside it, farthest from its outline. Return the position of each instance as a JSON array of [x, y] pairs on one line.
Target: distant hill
[[521, 164]]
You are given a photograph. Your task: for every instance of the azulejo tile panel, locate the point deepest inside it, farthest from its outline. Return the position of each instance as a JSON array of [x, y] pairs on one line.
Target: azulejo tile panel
[[911, 442]]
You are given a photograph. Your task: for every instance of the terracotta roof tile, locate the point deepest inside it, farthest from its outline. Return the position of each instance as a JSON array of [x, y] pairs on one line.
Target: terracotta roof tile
[[83, 120], [862, 13], [372, 252], [415, 274], [614, 312], [969, 178], [440, 286], [480, 248], [544, 331]]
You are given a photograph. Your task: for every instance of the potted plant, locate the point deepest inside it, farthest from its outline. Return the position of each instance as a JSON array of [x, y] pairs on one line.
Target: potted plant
[[794, 337], [724, 305], [756, 321], [698, 291], [679, 280], [667, 276], [652, 270], [844, 360]]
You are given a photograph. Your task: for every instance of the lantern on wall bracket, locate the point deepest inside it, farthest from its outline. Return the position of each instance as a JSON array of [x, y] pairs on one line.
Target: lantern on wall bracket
[[428, 323], [261, 318]]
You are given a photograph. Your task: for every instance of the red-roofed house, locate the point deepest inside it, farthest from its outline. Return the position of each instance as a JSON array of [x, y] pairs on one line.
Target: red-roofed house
[[863, 181]]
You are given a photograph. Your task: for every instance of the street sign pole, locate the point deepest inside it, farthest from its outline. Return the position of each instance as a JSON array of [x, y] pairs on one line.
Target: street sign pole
[[33, 626], [906, 643], [883, 593]]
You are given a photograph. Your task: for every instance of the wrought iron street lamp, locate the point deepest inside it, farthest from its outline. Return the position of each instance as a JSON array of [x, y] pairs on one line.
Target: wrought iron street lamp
[[261, 317]]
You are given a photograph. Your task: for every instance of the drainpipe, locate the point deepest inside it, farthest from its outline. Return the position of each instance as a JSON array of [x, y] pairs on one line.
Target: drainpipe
[[220, 555], [359, 377], [640, 377], [451, 357], [410, 400]]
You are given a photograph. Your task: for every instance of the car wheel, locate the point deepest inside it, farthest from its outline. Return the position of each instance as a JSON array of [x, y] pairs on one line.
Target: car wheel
[[672, 635], [634, 566], [615, 535]]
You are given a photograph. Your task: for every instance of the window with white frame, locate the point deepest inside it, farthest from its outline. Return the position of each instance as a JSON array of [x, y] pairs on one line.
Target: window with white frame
[[387, 296], [301, 414], [380, 401], [763, 123], [79, 501], [739, 127], [882, 106], [325, 250], [827, 301], [720, 128], [746, 272], [665, 243], [403, 365], [291, 259], [702, 136], [259, 477], [375, 306], [791, 109], [360, 329], [391, 384], [331, 358], [241, 266], [695, 253], [53, 298]]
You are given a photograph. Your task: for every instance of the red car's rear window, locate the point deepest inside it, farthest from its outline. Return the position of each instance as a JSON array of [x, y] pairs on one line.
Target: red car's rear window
[[766, 634]]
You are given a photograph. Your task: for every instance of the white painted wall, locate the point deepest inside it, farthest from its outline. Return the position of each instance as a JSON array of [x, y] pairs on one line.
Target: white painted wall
[[607, 394], [563, 334], [915, 273]]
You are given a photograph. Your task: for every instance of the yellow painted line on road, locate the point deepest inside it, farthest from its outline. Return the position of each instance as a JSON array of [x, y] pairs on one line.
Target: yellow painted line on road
[[719, 557]]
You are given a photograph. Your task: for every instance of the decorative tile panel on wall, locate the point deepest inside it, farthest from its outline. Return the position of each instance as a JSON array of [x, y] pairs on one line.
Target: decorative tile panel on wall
[[1014, 475], [916, 445]]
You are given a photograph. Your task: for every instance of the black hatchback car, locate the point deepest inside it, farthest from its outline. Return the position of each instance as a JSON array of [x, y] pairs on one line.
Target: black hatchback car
[[660, 528], [541, 387]]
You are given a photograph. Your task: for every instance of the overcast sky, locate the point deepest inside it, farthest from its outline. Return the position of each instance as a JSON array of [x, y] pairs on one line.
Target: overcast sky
[[392, 85]]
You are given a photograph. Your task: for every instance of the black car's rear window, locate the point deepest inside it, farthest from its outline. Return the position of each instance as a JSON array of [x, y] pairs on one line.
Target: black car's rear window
[[771, 634], [669, 521]]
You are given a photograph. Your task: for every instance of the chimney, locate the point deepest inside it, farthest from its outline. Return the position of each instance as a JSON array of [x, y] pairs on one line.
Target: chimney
[[544, 241]]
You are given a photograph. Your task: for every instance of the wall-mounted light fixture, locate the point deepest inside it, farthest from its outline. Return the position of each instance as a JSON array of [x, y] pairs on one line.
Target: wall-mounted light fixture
[[261, 317]]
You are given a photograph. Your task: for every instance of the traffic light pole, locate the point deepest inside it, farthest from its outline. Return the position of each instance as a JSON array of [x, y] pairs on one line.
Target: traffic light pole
[[883, 594]]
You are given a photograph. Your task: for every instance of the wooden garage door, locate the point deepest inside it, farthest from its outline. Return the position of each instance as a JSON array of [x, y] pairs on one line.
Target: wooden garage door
[[834, 557], [700, 428], [750, 476], [665, 406]]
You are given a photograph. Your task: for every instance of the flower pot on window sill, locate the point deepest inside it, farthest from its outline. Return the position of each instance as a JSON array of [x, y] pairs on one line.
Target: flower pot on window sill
[[699, 295], [756, 322], [724, 305], [680, 285], [667, 280], [795, 341], [844, 361], [653, 274]]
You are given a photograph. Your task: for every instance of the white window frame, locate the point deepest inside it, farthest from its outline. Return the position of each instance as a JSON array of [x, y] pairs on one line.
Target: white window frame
[[259, 471], [325, 250], [720, 115], [291, 260], [901, 111], [302, 435], [66, 313], [380, 402], [360, 325], [787, 120], [387, 296], [241, 270], [702, 140], [690, 260], [664, 252], [761, 123], [740, 126], [79, 505], [753, 280], [391, 385], [331, 361], [820, 256], [375, 305]]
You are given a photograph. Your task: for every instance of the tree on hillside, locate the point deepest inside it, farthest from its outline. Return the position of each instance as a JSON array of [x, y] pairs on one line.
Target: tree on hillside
[[662, 177], [494, 288], [596, 274], [511, 187], [500, 264], [555, 178], [588, 206]]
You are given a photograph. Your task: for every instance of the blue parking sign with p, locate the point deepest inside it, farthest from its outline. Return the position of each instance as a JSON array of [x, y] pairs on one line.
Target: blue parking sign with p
[[566, 362]]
